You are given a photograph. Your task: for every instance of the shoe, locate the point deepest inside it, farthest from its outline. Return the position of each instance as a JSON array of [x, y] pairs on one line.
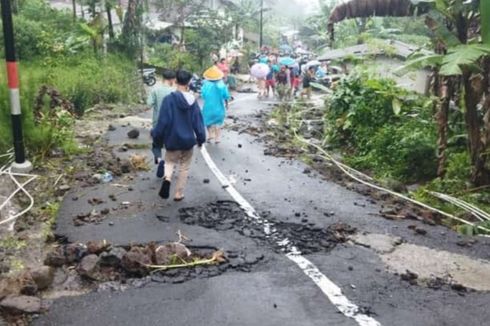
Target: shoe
[[179, 199], [161, 169], [165, 189]]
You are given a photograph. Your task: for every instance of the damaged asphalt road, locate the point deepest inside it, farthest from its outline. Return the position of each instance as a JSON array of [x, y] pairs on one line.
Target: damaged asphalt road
[[364, 257]]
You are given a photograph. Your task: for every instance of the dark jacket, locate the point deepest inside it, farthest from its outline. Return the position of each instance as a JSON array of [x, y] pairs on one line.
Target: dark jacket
[[180, 124]]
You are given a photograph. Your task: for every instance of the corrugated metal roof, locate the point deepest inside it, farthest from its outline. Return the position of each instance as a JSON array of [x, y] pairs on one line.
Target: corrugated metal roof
[[401, 50]]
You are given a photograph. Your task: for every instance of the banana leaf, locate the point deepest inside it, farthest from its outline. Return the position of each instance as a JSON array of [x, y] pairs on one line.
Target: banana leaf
[[485, 20]]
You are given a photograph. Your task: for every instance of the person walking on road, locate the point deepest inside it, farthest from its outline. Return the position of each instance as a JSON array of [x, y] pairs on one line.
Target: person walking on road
[[180, 127], [307, 80], [270, 83], [282, 81], [225, 69], [155, 100], [215, 94]]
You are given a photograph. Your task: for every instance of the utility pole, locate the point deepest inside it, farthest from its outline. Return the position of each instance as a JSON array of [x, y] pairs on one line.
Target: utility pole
[[261, 43], [20, 164]]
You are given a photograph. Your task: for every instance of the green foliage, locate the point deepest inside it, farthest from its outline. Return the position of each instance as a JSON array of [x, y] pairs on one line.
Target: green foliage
[[165, 55], [84, 80], [40, 30], [87, 80], [385, 128]]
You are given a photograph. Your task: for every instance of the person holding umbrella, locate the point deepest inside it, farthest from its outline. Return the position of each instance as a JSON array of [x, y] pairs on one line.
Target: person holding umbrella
[[260, 71], [215, 94]]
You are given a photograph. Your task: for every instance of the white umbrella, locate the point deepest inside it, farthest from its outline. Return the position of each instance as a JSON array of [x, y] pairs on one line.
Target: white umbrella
[[259, 70]]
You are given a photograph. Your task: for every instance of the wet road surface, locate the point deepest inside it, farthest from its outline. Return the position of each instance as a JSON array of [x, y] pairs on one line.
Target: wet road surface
[[276, 291]]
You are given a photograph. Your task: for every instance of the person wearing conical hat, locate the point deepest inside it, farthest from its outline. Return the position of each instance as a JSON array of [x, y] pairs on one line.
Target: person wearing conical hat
[[215, 93]]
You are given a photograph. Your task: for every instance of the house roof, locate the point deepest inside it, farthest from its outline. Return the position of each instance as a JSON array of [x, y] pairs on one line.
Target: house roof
[[401, 50]]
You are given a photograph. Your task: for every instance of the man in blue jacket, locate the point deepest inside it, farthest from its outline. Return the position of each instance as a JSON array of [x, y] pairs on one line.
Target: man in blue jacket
[[180, 127]]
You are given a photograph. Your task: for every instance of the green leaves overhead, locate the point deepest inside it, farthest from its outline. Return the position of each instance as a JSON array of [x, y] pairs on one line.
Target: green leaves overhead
[[450, 64], [419, 61], [463, 55]]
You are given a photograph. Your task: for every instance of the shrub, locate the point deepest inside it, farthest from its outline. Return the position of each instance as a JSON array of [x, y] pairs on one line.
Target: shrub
[[83, 80], [385, 128], [166, 56]]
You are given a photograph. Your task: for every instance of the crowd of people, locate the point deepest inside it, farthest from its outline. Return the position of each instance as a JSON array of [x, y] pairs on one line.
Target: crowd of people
[[179, 124], [285, 81]]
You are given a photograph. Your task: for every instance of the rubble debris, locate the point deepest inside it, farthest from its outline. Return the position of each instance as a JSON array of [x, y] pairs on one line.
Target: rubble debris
[[139, 162], [410, 277], [133, 134], [227, 215], [21, 304]]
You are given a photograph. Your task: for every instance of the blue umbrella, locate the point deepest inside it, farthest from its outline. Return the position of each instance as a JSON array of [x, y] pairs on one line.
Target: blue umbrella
[[286, 48], [287, 61]]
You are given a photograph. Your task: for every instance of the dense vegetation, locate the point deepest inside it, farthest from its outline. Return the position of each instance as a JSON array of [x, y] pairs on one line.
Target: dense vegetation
[[383, 128], [56, 52]]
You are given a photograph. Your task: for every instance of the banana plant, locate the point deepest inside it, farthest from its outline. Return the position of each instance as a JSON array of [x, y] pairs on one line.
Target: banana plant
[[460, 59]]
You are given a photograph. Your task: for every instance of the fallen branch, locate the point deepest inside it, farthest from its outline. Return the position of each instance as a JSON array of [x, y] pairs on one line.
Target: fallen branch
[[218, 257]]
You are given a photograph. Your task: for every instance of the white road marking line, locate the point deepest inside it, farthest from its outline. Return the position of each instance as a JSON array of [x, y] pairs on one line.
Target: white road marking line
[[329, 288]]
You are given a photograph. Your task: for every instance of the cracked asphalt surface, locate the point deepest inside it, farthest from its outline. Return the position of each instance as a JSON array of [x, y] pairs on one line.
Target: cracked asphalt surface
[[275, 292]]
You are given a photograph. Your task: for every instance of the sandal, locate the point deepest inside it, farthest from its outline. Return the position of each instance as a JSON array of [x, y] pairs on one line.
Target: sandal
[[165, 189], [179, 199]]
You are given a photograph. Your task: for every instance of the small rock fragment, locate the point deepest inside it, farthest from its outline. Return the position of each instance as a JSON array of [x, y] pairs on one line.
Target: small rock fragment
[[55, 258], [97, 246], [112, 258], [88, 266], [133, 134], [21, 304], [43, 276]]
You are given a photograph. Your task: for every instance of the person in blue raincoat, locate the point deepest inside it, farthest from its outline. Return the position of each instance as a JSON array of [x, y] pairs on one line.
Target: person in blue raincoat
[[215, 94]]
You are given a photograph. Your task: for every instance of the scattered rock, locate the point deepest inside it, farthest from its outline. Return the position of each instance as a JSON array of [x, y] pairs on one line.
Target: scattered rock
[[410, 277], [111, 128], [64, 188], [125, 167], [206, 181], [112, 258], [43, 276], [97, 246], [166, 253], [420, 231], [21, 304], [133, 134], [135, 259], [55, 258], [74, 252], [27, 284], [89, 266]]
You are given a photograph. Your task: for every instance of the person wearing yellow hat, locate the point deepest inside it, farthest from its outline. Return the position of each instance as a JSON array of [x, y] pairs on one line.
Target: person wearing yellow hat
[[215, 93]]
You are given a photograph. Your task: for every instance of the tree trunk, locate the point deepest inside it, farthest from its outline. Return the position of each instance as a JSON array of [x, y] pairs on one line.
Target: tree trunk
[[480, 175], [74, 6], [109, 21], [445, 90], [182, 36]]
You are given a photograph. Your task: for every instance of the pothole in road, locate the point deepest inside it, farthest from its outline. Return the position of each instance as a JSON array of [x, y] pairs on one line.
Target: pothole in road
[[98, 265], [227, 215]]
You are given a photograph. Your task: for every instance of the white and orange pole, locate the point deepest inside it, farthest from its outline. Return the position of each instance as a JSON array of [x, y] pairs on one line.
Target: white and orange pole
[[20, 164]]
